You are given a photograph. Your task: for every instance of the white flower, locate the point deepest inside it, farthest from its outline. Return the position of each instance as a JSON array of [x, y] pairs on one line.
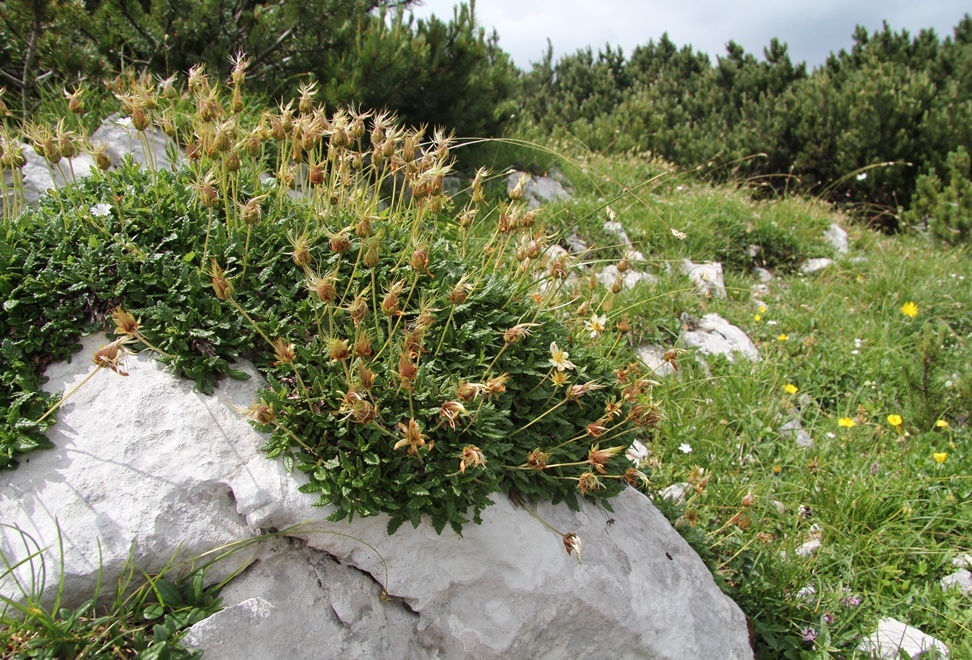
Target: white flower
[[558, 358], [679, 235], [596, 325], [611, 214], [831, 435], [855, 352], [100, 210], [685, 448], [637, 453], [124, 121], [861, 176]]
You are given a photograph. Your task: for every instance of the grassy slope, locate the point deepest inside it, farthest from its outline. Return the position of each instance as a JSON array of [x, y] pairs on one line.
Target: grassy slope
[[891, 515]]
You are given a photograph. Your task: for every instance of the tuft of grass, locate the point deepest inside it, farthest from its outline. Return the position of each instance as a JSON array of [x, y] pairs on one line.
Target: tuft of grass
[[144, 616]]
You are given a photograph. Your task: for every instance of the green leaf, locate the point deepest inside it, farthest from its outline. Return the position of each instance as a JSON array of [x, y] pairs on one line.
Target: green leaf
[[153, 611]]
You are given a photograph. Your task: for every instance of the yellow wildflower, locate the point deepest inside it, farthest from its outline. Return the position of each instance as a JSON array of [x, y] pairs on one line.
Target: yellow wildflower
[[895, 421], [782, 337], [940, 457], [942, 424], [909, 309], [846, 423], [790, 388]]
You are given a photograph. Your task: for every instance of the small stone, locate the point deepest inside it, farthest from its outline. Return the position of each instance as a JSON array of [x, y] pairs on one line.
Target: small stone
[[837, 237], [961, 578], [814, 539], [576, 244], [794, 429], [893, 637], [713, 335], [539, 191], [616, 228], [707, 277], [629, 279], [763, 275], [653, 357], [963, 560], [676, 492], [815, 265]]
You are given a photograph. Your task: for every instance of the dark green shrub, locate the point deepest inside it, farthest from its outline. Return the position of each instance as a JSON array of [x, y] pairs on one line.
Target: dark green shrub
[[945, 207]]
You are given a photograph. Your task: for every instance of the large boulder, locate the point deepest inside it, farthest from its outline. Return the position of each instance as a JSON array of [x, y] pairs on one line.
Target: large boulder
[[145, 462], [152, 148]]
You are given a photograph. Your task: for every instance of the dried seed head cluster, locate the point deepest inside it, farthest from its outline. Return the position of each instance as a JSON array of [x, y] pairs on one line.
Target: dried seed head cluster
[[475, 343]]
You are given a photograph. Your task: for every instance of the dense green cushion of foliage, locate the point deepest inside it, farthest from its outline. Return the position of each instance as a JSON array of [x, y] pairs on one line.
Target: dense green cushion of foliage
[[341, 421]]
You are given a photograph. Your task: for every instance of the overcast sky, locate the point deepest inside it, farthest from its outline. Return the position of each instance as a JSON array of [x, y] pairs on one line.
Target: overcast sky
[[811, 28]]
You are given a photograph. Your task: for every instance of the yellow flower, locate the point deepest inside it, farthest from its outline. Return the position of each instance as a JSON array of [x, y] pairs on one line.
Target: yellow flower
[[762, 309], [895, 420], [909, 309], [942, 424], [790, 388], [940, 457], [758, 317], [846, 422], [782, 337]]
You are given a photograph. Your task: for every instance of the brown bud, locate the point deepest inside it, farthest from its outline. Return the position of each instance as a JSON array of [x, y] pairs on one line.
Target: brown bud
[[221, 284], [366, 377], [419, 260], [459, 293], [232, 162], [340, 242], [251, 213], [102, 160], [363, 228], [338, 349], [323, 287], [362, 345], [140, 119]]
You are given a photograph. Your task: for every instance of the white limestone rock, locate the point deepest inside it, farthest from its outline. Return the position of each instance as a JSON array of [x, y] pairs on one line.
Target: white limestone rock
[[139, 461], [629, 278], [615, 228], [121, 139], [539, 191], [837, 237], [763, 275], [960, 579], [576, 244], [794, 429], [676, 492], [707, 277], [38, 177], [713, 335], [815, 265], [146, 459], [893, 637], [653, 357]]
